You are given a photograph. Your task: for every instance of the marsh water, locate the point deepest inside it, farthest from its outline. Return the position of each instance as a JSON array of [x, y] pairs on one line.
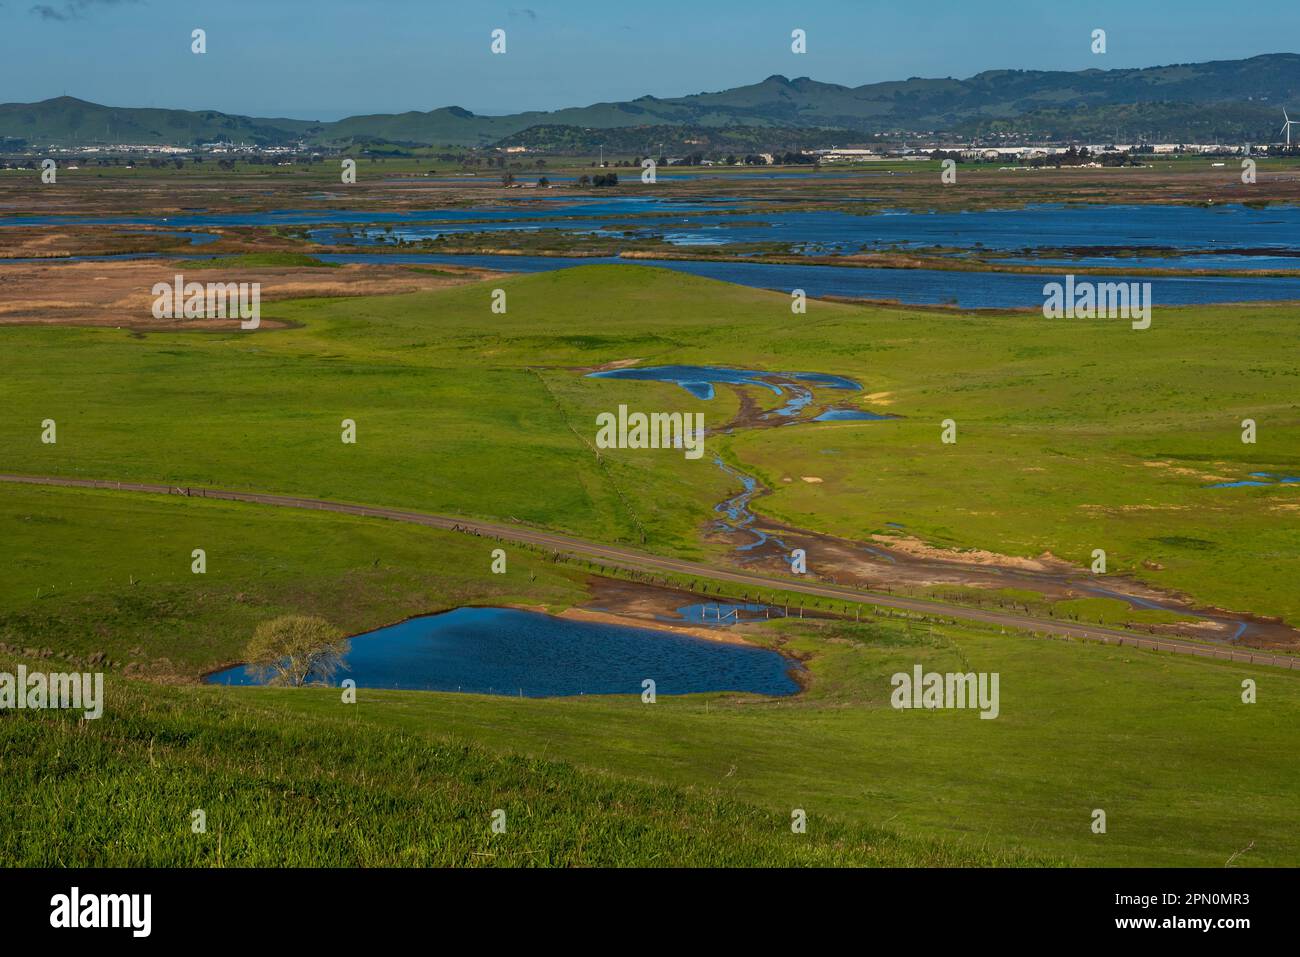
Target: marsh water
[[967, 289], [508, 651], [1226, 238], [722, 220], [1208, 230]]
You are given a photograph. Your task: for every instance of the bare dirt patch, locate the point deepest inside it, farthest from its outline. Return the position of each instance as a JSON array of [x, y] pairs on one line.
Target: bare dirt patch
[[119, 293], [632, 603], [974, 556]]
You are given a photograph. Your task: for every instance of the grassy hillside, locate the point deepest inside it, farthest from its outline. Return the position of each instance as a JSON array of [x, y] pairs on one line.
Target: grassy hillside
[[1069, 434], [110, 575], [286, 790], [66, 120], [1073, 435], [1186, 772]]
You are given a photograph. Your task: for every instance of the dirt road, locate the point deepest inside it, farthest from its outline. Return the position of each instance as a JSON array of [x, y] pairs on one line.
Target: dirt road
[[629, 559]]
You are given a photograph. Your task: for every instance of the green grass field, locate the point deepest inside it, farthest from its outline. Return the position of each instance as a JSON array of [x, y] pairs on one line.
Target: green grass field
[[1186, 772], [108, 574], [280, 789], [463, 411], [1072, 435]]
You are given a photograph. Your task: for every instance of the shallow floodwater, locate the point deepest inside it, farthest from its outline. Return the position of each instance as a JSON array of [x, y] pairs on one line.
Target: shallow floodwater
[[1095, 232], [1259, 480], [512, 652], [699, 380], [1202, 230], [850, 415], [725, 614], [548, 207], [970, 290], [1194, 229]]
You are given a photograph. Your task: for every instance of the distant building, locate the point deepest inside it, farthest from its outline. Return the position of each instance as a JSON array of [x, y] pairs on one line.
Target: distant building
[[846, 155]]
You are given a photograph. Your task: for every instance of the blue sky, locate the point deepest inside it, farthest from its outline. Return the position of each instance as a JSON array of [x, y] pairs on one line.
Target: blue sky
[[324, 59]]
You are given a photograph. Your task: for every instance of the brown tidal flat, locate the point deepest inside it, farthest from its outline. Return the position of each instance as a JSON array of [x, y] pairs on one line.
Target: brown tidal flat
[[404, 187], [119, 293]]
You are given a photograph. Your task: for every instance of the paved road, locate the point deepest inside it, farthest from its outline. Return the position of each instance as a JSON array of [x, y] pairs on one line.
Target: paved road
[[630, 559]]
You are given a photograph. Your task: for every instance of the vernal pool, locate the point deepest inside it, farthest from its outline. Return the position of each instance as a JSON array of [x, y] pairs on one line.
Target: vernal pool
[[1259, 480], [699, 380], [512, 652]]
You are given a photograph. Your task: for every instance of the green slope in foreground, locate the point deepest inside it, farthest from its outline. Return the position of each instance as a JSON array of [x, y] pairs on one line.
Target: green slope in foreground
[[1186, 772], [1072, 435], [283, 790]]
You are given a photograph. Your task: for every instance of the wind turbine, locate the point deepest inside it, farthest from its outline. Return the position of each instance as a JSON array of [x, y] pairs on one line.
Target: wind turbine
[[1286, 127]]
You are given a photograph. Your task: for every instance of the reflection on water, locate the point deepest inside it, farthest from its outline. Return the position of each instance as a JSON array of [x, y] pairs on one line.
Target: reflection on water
[[512, 652], [961, 288]]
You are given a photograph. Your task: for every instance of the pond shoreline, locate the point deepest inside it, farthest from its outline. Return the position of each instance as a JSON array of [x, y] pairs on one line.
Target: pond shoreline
[[645, 627]]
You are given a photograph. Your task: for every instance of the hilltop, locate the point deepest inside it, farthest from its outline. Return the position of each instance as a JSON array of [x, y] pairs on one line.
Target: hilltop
[[1222, 99]]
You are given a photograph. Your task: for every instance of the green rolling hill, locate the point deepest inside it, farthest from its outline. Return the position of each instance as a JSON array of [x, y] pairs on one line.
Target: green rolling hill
[[1231, 99]]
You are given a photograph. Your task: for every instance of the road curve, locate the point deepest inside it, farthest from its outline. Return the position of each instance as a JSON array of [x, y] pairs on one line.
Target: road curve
[[632, 560]]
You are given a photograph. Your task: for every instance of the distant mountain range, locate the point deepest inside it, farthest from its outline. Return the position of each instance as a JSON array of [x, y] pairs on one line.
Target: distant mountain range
[[1224, 99]]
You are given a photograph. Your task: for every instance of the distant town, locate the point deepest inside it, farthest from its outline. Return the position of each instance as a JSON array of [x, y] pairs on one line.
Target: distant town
[[226, 154]]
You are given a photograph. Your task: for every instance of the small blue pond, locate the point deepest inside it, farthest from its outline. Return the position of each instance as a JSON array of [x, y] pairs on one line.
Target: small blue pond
[[511, 652], [850, 415], [1259, 480], [699, 380], [724, 614]]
